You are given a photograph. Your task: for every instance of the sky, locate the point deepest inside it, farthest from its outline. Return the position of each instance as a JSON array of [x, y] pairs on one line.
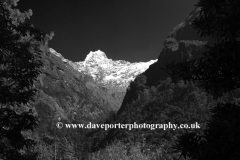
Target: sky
[[131, 30]]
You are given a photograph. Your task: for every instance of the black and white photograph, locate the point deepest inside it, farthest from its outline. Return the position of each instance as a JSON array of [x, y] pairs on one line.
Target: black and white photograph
[[119, 80]]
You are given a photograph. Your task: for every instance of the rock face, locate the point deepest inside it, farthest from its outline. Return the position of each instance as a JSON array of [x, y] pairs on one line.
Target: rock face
[[182, 43], [113, 75]]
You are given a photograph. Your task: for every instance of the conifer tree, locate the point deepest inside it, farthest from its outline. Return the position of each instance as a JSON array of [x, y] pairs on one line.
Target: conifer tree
[[69, 150], [21, 46], [217, 72]]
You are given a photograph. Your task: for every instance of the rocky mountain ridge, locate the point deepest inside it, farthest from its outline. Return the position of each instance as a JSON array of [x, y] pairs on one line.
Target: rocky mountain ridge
[[112, 74], [182, 43]]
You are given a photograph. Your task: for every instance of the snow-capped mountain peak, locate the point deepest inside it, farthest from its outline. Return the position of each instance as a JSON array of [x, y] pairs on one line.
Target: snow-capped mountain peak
[[96, 58], [107, 72], [96, 55]]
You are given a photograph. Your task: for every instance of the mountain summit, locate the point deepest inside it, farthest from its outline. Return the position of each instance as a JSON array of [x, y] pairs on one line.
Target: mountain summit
[[96, 56], [108, 72], [114, 75]]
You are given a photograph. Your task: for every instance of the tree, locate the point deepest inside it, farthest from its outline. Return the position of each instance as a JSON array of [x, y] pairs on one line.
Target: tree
[[69, 152], [218, 69], [217, 72], [220, 140], [21, 46]]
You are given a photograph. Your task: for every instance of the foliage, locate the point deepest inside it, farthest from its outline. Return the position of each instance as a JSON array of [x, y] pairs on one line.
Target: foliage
[[167, 102], [119, 150], [65, 150], [19, 66], [218, 70], [45, 148], [220, 140], [21, 46]]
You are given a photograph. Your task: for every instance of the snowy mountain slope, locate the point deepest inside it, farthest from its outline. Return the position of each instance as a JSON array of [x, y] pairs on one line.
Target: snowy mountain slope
[[112, 74]]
